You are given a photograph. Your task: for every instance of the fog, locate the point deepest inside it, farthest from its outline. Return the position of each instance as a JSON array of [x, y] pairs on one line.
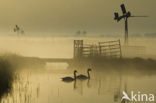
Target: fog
[[62, 47], [65, 17], [30, 72]]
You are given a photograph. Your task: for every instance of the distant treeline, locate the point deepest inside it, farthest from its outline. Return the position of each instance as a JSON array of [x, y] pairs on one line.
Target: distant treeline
[[122, 65], [146, 35]]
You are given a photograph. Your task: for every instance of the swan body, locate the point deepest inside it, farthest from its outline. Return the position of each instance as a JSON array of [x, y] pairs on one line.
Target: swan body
[[69, 79], [83, 77]]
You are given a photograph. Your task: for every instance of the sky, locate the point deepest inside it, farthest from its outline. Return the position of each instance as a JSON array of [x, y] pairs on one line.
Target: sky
[[65, 17]]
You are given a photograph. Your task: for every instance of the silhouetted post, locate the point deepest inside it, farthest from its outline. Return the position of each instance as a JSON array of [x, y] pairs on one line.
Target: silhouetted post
[[74, 48], [120, 49], [78, 48], [99, 49], [125, 16], [126, 31]]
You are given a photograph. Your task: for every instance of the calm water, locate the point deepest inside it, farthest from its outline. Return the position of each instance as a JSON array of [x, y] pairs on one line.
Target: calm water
[[45, 86]]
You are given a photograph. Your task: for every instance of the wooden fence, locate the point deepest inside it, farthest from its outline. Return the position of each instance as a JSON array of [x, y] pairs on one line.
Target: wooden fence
[[110, 49], [102, 49]]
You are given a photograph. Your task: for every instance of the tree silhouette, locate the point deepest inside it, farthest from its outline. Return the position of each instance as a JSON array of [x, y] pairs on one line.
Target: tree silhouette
[[18, 30]]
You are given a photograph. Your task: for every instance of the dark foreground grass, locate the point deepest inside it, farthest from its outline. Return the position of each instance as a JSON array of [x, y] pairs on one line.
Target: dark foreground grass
[[6, 76], [9, 63]]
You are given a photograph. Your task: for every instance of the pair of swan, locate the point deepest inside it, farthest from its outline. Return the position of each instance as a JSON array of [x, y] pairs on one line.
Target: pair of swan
[[81, 76]]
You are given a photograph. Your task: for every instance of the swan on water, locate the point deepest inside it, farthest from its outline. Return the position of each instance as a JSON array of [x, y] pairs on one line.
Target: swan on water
[[81, 76], [70, 79]]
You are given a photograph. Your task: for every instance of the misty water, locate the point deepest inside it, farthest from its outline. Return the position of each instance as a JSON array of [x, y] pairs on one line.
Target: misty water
[[44, 85]]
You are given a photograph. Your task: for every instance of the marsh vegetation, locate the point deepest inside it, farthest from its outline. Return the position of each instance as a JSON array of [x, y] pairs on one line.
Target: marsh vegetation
[[28, 79]]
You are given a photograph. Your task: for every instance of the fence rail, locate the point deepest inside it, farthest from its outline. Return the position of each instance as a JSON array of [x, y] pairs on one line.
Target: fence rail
[[101, 49]]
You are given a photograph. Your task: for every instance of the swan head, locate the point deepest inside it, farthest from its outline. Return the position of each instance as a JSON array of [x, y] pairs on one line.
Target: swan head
[[75, 71], [89, 69]]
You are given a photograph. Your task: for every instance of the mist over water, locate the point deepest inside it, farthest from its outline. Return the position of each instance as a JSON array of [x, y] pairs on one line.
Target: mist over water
[[62, 47], [38, 85], [35, 33]]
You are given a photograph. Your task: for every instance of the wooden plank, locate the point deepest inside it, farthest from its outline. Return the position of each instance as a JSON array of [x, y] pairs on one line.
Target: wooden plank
[[109, 42], [110, 49], [108, 45]]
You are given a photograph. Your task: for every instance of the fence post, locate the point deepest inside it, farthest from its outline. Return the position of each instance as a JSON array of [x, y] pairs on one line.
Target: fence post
[[78, 48], [74, 48], [100, 49], [120, 49]]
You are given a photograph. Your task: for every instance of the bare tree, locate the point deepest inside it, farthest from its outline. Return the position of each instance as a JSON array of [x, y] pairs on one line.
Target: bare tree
[[18, 30]]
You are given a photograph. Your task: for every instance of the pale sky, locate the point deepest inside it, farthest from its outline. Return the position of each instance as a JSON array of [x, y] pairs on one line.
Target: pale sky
[[68, 16]]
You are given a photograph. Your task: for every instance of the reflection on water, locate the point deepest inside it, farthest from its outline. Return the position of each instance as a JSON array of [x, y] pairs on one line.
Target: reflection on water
[[45, 86]]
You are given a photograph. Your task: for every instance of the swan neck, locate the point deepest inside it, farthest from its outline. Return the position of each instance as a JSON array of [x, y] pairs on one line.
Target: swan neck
[[75, 75], [88, 74]]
